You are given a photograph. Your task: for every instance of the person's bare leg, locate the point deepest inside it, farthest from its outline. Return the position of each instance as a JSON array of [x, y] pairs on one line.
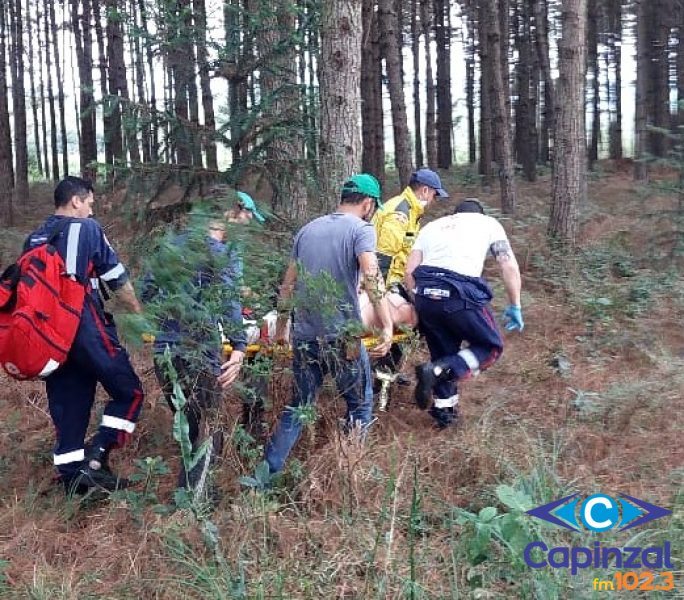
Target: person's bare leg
[[402, 312]]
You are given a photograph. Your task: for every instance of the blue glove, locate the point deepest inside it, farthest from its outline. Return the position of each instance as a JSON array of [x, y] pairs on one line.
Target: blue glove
[[513, 318]]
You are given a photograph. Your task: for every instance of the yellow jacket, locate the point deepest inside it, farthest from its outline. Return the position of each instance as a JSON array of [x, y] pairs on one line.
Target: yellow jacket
[[396, 227]]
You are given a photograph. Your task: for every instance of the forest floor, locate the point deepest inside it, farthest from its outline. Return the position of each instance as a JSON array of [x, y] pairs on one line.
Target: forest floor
[[588, 398]]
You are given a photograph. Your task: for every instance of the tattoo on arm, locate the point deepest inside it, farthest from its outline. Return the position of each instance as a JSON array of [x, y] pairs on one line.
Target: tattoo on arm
[[373, 281], [501, 250], [375, 286]]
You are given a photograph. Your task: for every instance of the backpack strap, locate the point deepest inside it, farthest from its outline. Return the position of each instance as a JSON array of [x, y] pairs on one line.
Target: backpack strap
[[57, 230], [54, 234]]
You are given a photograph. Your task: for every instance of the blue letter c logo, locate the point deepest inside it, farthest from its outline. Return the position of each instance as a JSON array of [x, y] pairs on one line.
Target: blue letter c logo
[[600, 513]]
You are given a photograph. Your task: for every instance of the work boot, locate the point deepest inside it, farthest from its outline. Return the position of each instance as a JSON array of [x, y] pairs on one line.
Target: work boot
[[427, 375], [87, 479]]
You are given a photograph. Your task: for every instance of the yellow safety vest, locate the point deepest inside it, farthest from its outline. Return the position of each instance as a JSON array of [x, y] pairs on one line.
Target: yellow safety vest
[[396, 227]]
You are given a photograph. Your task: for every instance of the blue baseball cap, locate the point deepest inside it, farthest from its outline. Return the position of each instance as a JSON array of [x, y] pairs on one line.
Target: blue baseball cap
[[245, 201], [429, 178]]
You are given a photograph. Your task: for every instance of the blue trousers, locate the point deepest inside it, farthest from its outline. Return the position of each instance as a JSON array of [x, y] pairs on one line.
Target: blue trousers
[[446, 323], [311, 362], [96, 356]]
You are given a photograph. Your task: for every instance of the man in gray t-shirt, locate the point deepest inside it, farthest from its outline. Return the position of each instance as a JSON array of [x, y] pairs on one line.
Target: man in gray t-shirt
[[326, 296], [330, 255]]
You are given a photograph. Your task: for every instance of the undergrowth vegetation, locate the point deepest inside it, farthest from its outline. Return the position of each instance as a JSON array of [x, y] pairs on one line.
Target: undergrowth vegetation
[[588, 399]]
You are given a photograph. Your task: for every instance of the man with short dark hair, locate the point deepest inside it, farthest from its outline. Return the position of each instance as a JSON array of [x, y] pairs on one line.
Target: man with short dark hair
[[96, 354], [444, 271], [329, 255]]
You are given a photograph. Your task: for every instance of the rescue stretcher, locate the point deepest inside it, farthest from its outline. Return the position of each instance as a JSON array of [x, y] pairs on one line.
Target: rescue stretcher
[[385, 378], [259, 344]]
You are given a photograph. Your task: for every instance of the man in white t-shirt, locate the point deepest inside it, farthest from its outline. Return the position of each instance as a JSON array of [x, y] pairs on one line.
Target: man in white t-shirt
[[444, 271]]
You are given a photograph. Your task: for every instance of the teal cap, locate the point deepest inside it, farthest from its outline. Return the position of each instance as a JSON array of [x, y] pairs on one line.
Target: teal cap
[[246, 202], [365, 184]]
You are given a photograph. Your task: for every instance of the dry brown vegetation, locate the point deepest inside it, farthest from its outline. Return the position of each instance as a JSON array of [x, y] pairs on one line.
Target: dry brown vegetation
[[589, 397]]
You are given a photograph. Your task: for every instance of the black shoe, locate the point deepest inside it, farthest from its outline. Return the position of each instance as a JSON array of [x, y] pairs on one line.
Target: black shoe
[[97, 457], [426, 380], [444, 417], [87, 479]]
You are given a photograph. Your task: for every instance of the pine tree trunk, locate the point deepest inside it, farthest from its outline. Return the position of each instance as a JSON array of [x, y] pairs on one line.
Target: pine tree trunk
[[525, 108], [151, 130], [390, 33], [285, 153], [181, 137], [680, 74], [373, 156], [232, 70], [41, 81], [427, 20], [21, 188], [6, 162], [129, 114], [74, 78], [308, 60], [469, 44], [417, 112], [51, 96], [339, 77], [34, 99], [486, 112], [106, 99], [504, 9], [659, 34], [60, 92], [614, 57], [169, 154], [501, 125], [445, 122], [139, 68], [81, 26], [190, 70], [570, 161], [535, 97], [593, 65], [115, 73], [641, 99], [205, 85], [542, 44]]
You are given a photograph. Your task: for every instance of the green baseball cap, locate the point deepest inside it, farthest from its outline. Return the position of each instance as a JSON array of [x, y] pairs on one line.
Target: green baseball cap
[[246, 202], [365, 184]]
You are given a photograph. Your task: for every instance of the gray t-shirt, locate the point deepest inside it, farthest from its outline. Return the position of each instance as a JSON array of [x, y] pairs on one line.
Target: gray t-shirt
[[326, 251]]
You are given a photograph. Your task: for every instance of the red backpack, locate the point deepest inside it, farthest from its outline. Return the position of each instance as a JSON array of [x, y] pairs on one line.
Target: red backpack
[[40, 310]]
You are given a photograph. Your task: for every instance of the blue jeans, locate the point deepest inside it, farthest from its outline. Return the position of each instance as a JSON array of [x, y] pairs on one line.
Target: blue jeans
[[312, 361]]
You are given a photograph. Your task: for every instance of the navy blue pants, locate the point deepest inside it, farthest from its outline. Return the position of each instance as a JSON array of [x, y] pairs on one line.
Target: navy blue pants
[[446, 323], [96, 356]]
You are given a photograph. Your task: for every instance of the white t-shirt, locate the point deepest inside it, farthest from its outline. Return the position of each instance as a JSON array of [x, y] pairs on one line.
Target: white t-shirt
[[459, 242]]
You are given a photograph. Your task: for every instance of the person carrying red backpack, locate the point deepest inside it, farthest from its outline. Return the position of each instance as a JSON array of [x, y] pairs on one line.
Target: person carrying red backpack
[[96, 354]]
